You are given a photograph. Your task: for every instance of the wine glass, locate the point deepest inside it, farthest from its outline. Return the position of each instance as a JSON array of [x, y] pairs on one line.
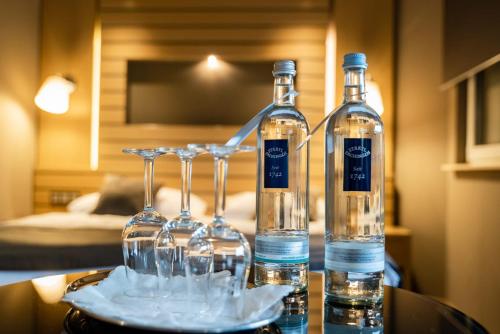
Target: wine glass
[[199, 255], [230, 247], [139, 234], [181, 227]]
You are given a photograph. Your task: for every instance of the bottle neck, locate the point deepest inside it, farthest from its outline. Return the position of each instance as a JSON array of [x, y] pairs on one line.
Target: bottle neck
[[283, 84], [354, 85]]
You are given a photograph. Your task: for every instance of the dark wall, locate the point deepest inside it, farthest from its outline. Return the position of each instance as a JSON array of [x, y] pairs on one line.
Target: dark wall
[[421, 139], [471, 34]]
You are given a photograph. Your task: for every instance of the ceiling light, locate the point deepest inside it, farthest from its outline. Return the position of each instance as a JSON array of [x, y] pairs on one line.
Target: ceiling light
[[212, 62]]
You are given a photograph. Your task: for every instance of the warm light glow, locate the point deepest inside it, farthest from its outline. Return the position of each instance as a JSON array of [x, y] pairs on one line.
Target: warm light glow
[[374, 96], [330, 59], [212, 62], [96, 87], [53, 96], [50, 288]]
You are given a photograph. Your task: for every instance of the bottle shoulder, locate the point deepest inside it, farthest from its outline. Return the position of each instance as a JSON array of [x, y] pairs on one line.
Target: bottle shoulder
[[284, 113], [351, 110]]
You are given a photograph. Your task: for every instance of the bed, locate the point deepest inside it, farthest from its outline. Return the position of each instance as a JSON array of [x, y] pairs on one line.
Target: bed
[[81, 239], [63, 240]]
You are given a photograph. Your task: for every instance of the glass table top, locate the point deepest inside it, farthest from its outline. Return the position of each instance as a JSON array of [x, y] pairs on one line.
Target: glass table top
[[33, 307]]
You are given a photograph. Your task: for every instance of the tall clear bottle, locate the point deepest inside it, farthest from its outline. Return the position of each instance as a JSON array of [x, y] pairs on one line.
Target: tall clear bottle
[[282, 238], [354, 223]]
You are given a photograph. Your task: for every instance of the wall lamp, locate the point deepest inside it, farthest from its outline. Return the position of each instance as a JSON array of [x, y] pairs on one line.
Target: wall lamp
[[374, 96], [53, 95], [51, 288]]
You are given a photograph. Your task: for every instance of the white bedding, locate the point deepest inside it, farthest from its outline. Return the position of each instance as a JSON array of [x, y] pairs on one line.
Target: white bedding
[[70, 220], [76, 220]]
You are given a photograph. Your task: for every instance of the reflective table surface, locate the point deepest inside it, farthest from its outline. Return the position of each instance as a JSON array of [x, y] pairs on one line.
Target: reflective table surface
[[33, 307]]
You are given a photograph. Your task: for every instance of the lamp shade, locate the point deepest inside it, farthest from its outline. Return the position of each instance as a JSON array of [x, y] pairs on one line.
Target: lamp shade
[[374, 96], [53, 95], [50, 288]]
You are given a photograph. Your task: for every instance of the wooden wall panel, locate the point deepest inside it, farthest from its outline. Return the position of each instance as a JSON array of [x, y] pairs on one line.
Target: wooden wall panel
[[66, 48], [192, 30], [167, 169], [179, 35], [135, 5]]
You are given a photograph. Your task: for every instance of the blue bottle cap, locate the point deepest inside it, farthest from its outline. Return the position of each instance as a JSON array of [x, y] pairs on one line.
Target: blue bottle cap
[[352, 60], [284, 67]]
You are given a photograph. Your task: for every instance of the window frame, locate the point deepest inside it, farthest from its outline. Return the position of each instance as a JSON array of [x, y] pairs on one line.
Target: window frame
[[477, 153]]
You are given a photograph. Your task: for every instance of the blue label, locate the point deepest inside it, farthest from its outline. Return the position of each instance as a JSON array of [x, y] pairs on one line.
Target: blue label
[[276, 163], [357, 164]]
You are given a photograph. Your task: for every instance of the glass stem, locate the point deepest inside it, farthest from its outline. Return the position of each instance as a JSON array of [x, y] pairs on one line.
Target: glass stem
[[220, 188], [148, 183], [186, 172]]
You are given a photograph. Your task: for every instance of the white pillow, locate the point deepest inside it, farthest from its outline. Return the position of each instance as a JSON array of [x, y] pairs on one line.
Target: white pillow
[[84, 204], [241, 205], [168, 203]]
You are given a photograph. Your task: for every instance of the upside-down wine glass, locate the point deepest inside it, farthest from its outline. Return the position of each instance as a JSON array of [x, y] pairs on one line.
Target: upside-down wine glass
[[139, 235], [231, 251], [170, 245]]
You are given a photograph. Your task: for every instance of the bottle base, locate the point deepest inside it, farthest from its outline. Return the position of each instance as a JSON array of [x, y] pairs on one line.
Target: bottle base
[[351, 288], [346, 300], [296, 275]]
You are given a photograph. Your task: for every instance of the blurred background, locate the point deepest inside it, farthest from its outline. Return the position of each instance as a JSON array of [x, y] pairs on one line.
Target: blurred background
[[109, 74]]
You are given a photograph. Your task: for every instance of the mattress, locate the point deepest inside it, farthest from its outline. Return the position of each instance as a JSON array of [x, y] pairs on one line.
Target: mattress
[[63, 240]]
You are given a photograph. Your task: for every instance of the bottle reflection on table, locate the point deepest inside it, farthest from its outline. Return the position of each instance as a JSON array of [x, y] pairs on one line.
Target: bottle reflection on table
[[344, 319], [293, 320]]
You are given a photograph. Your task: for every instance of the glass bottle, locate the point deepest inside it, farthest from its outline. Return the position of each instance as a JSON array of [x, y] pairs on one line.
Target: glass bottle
[[282, 237], [354, 194]]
